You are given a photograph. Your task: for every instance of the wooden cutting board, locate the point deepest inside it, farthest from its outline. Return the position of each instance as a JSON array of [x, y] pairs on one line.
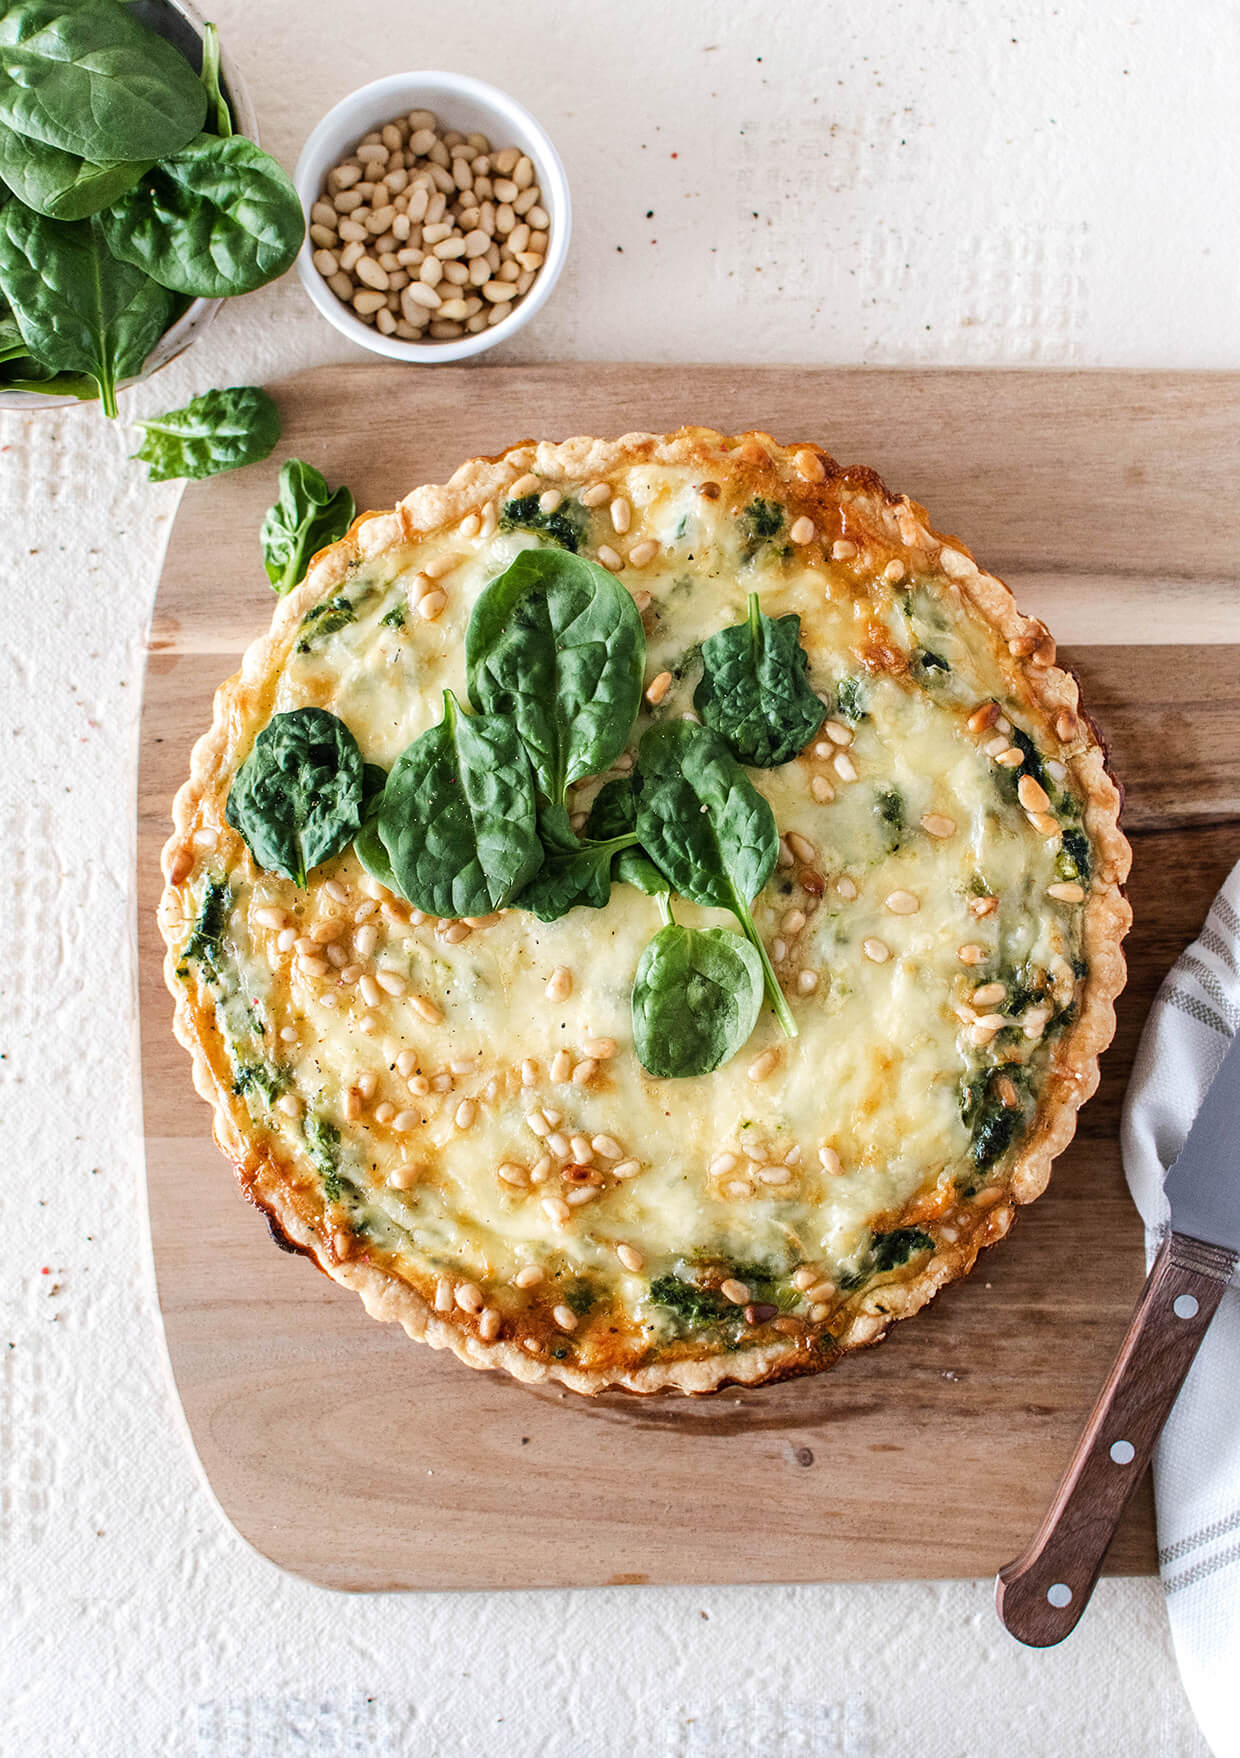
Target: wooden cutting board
[[350, 1455]]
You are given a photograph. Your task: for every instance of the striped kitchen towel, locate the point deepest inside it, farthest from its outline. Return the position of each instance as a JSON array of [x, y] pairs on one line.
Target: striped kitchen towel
[[1197, 1465]]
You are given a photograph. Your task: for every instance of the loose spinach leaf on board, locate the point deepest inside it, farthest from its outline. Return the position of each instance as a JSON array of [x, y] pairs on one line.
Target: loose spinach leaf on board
[[220, 430], [78, 310], [708, 829], [754, 690], [557, 643], [217, 218], [62, 185], [368, 845], [458, 818], [614, 814], [91, 80], [219, 116], [297, 798], [305, 518], [574, 871], [696, 1000]]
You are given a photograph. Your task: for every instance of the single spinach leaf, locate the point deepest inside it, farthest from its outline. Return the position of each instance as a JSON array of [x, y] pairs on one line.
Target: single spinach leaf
[[78, 310], [754, 690], [696, 999], [573, 871], [557, 644], [218, 218], [62, 185], [219, 116], [305, 518], [708, 829], [220, 430], [614, 814], [297, 798], [457, 817], [368, 844], [91, 80]]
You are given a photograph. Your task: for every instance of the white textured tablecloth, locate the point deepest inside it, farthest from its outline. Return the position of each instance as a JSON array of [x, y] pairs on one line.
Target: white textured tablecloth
[[890, 183]]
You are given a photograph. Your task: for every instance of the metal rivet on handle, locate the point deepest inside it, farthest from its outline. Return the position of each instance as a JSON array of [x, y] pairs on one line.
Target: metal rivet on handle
[[1123, 1452], [1185, 1306], [1059, 1595]]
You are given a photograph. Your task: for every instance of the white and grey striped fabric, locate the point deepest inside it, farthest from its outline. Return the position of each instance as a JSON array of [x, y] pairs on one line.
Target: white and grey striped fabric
[[1197, 1466]]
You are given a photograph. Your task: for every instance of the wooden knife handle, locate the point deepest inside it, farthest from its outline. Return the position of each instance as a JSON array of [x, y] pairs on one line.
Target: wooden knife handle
[[1041, 1595]]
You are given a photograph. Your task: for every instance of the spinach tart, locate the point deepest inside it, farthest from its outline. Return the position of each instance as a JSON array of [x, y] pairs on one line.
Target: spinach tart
[[647, 912]]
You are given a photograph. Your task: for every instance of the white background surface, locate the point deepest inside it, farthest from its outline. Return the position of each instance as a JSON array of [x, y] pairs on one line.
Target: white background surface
[[946, 181]]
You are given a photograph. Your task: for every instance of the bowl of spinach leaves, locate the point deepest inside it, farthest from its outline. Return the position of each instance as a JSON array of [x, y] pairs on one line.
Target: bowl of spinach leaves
[[133, 194]]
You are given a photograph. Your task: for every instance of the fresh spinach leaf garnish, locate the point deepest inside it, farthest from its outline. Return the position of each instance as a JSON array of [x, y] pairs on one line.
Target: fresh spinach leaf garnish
[[574, 871], [297, 798], [565, 526], [305, 517], [220, 430], [91, 80], [556, 644], [696, 999], [207, 936], [79, 311], [755, 690], [458, 818], [214, 219], [614, 814], [367, 844], [708, 829]]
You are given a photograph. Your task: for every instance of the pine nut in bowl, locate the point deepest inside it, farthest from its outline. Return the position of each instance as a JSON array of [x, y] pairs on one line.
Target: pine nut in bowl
[[439, 217]]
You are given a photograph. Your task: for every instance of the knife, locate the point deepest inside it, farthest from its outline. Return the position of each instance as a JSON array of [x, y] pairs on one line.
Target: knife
[[1040, 1596]]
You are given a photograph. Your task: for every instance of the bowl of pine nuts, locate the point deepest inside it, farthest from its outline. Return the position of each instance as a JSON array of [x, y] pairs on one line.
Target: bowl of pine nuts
[[439, 216]]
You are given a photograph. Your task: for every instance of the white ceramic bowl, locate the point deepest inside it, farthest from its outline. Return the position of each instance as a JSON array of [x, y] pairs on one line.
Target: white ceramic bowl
[[472, 107], [181, 24]]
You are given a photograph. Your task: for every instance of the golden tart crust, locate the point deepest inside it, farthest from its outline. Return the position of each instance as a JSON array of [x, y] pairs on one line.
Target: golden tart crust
[[851, 539]]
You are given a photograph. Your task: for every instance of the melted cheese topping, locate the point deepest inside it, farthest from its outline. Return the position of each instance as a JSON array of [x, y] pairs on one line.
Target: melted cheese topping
[[505, 1153]]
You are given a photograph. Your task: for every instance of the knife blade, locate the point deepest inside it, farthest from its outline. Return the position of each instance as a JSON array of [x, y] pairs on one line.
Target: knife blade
[[1040, 1595], [1203, 1185]]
